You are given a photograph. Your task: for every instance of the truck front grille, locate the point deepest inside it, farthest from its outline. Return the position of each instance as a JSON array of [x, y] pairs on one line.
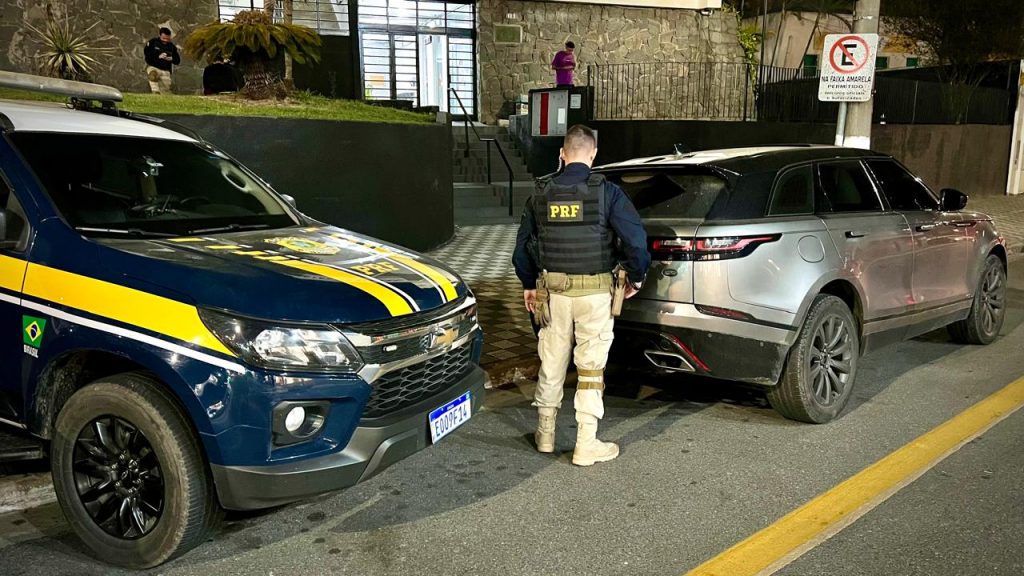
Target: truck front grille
[[396, 390]]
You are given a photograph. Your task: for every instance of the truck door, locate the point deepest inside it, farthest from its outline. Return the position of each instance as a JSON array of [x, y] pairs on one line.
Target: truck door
[[16, 337]]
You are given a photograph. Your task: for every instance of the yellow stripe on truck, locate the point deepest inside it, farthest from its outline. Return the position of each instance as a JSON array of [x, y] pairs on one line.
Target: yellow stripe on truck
[[395, 304], [135, 307], [430, 272], [12, 272]]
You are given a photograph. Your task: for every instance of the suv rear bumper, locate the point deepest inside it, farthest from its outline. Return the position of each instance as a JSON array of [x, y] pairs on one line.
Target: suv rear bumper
[[375, 445], [687, 350]]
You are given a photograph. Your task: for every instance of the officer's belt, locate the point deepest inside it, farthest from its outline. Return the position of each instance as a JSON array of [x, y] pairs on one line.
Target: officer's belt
[[557, 282]]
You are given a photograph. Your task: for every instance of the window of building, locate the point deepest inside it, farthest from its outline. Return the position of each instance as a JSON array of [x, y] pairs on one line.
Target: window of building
[[810, 65], [845, 187], [881, 63], [325, 16], [913, 62]]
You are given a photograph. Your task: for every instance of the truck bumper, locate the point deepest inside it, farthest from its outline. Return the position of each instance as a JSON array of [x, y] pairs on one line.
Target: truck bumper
[[375, 445]]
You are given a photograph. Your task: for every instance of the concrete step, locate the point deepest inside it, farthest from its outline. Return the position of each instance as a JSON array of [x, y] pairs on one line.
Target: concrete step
[[484, 221], [481, 212]]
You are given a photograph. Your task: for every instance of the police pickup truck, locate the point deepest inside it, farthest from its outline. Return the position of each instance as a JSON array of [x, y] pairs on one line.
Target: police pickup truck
[[180, 340]]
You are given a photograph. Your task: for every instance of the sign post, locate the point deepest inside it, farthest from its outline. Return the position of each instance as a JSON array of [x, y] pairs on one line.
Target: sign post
[[848, 73]]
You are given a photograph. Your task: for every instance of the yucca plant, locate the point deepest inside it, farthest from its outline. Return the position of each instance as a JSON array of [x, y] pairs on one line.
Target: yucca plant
[[67, 53], [253, 40]]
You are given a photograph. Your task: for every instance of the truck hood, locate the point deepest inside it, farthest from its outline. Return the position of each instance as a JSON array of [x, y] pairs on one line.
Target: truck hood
[[318, 274]]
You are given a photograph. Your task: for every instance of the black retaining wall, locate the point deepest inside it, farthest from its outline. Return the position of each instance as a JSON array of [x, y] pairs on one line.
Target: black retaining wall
[[391, 181]]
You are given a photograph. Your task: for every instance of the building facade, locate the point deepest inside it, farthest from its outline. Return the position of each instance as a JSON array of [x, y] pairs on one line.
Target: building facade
[[793, 41], [489, 51]]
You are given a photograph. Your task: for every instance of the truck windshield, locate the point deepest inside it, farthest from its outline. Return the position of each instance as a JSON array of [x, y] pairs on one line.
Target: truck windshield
[[144, 186]]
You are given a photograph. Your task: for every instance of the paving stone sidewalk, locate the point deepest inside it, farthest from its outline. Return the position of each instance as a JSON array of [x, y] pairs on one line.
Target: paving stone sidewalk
[[483, 256]]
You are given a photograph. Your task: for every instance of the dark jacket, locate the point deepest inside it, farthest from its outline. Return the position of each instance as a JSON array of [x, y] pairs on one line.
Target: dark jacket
[[622, 218], [154, 48]]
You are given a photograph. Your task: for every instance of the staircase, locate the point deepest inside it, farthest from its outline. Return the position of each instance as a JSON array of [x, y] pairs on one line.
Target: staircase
[[476, 201]]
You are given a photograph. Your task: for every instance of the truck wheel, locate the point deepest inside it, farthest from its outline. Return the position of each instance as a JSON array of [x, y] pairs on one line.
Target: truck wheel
[[129, 472], [989, 309], [822, 365]]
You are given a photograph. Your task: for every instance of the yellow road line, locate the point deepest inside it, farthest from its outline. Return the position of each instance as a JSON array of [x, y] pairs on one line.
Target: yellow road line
[[808, 526]]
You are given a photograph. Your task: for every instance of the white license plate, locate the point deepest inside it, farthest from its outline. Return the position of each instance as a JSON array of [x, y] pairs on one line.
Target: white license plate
[[449, 417]]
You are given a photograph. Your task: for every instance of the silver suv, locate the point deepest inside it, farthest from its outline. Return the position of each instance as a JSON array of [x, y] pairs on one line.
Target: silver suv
[[781, 266]]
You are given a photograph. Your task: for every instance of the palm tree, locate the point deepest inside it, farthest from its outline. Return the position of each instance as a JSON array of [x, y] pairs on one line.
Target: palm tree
[[252, 39]]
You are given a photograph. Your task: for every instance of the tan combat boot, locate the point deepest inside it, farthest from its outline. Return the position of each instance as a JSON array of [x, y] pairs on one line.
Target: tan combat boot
[[545, 435], [589, 450]]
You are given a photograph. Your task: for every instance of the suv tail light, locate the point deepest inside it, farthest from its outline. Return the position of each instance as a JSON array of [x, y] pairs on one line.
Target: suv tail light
[[701, 249]]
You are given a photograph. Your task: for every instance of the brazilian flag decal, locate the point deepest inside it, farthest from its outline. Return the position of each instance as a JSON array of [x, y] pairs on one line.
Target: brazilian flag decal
[[32, 330]]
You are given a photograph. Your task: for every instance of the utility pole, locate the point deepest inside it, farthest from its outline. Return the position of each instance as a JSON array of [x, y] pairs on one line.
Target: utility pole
[[858, 120]]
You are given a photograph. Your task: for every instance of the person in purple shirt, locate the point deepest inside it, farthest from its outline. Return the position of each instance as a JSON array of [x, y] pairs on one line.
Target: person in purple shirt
[[563, 64]]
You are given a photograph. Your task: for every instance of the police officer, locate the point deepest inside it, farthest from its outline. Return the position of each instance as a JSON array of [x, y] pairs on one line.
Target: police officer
[[567, 284]]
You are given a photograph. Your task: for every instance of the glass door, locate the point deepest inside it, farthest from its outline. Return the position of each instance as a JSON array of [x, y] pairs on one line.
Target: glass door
[[434, 70]]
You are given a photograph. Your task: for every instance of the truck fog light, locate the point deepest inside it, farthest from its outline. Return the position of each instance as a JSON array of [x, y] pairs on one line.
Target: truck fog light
[[293, 421], [298, 421]]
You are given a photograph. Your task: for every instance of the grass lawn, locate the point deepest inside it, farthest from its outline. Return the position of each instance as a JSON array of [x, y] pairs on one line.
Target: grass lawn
[[298, 105]]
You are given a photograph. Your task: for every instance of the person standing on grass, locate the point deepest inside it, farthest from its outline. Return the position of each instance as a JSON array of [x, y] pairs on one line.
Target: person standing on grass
[[161, 56], [563, 65]]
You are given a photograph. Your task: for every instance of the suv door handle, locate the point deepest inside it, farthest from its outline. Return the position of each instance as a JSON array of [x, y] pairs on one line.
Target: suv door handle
[[966, 224], [926, 227], [855, 234]]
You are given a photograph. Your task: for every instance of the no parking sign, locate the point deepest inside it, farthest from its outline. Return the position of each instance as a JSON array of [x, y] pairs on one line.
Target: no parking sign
[[848, 67]]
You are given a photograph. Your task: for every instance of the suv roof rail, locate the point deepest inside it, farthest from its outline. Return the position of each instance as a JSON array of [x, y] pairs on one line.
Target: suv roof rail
[[82, 91]]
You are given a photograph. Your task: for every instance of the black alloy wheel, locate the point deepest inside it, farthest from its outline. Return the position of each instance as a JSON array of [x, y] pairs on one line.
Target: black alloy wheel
[[830, 360], [118, 477], [821, 369], [988, 311]]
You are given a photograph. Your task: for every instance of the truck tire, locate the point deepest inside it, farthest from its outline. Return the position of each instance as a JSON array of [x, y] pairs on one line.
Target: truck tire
[[988, 311], [822, 364], [130, 474]]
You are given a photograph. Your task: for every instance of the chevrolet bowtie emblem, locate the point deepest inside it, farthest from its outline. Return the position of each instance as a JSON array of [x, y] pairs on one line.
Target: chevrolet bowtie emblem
[[444, 337]]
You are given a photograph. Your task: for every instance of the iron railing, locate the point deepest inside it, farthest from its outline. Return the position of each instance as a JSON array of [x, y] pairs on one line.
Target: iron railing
[[672, 90], [740, 91], [791, 95], [508, 166]]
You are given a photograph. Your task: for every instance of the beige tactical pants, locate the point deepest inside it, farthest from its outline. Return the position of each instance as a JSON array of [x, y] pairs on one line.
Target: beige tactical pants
[[159, 80], [590, 318]]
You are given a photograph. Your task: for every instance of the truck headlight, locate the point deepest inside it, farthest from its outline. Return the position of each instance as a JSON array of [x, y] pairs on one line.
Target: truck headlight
[[313, 347]]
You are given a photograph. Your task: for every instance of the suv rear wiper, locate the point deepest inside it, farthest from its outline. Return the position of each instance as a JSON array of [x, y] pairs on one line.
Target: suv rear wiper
[[127, 232], [228, 228]]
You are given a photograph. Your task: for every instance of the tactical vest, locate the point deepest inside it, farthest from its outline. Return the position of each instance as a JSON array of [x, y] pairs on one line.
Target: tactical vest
[[572, 227]]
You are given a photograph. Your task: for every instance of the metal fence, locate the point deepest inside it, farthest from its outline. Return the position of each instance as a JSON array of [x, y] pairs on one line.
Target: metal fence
[[739, 91], [672, 90], [791, 95]]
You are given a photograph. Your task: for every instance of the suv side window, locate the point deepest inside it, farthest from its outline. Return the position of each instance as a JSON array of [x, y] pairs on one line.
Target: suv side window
[[901, 188], [794, 193], [846, 187], [17, 226]]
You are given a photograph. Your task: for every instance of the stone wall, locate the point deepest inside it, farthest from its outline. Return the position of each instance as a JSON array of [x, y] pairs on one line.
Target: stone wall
[[131, 22], [603, 35]]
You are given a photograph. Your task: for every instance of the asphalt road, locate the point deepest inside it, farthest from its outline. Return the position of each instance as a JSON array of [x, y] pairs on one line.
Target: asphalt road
[[704, 465]]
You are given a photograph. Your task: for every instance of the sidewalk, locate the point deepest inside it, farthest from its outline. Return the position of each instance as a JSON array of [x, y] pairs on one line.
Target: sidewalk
[[483, 256], [1008, 213]]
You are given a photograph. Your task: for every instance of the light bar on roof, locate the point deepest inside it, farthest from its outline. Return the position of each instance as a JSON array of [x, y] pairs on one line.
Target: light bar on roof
[[69, 88]]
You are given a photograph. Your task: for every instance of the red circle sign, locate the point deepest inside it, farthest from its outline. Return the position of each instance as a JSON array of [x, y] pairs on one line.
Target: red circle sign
[[840, 47]]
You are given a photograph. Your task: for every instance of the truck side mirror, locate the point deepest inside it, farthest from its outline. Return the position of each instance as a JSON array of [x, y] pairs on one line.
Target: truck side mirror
[[952, 200], [290, 200]]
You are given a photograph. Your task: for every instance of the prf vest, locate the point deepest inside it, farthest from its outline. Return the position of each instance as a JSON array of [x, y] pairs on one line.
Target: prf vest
[[572, 227]]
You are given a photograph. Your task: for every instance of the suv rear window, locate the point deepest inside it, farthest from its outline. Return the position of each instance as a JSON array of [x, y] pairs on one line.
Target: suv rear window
[[672, 194]]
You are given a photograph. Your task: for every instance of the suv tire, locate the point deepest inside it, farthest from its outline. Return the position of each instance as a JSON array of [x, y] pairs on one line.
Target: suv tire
[[129, 472], [822, 365], [988, 311]]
